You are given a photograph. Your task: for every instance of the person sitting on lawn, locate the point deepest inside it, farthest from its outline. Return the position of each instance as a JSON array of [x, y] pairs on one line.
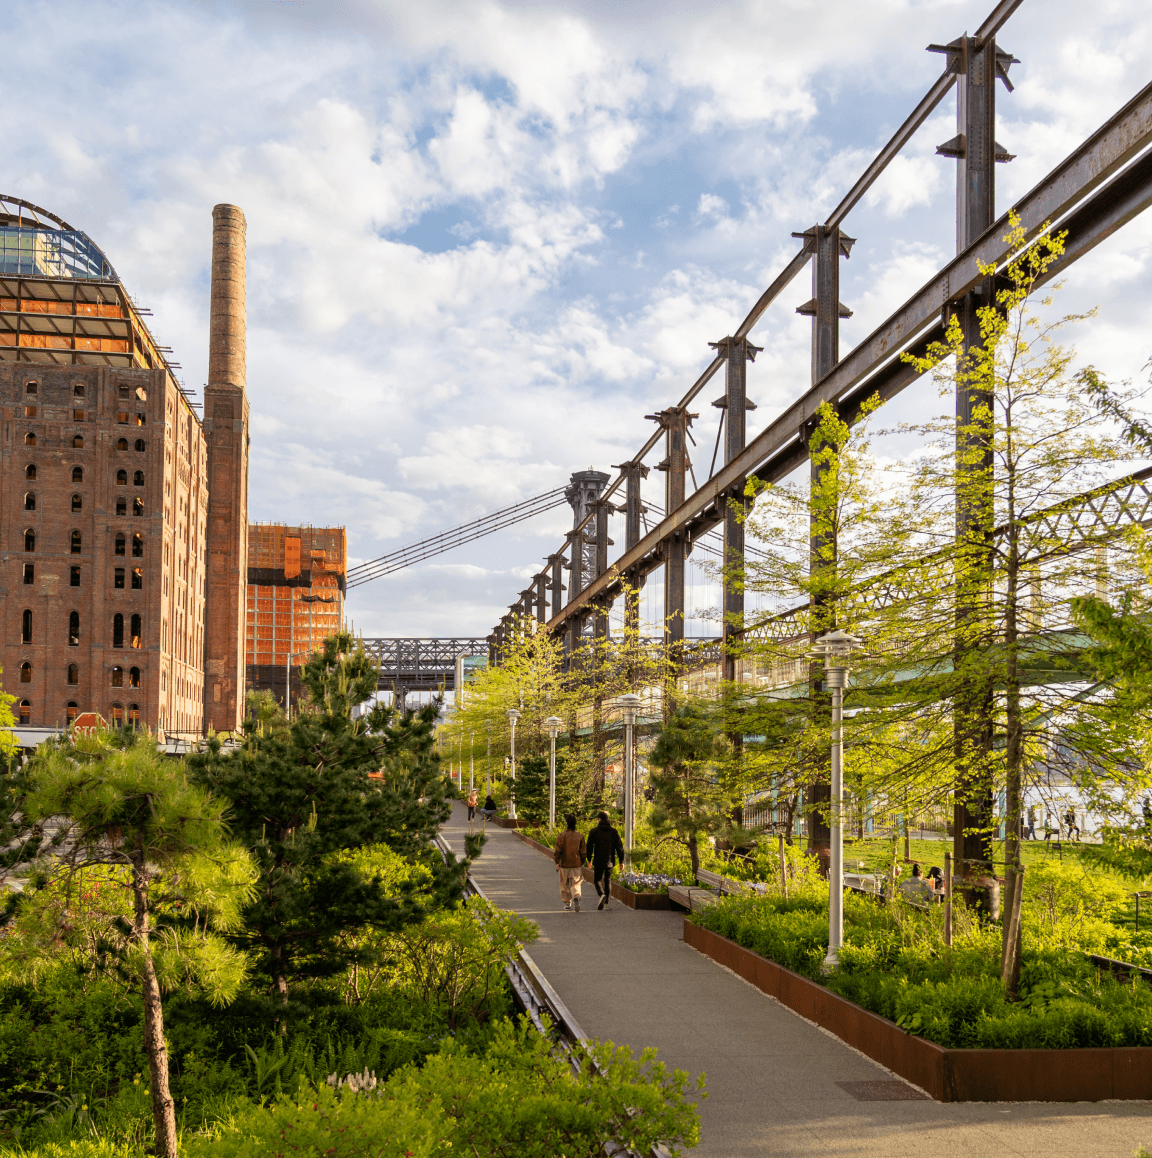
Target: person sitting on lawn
[[916, 889]]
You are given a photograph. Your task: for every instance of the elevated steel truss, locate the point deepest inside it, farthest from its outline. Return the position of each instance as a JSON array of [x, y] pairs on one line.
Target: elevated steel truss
[[412, 665]]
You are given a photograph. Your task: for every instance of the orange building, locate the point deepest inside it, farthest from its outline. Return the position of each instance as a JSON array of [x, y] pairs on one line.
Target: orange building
[[295, 599]]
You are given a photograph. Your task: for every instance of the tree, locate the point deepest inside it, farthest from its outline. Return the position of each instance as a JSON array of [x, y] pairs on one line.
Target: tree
[[120, 815], [302, 795], [532, 788], [693, 799]]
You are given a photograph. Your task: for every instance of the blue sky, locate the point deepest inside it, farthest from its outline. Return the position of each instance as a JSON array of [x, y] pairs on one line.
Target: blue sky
[[485, 239]]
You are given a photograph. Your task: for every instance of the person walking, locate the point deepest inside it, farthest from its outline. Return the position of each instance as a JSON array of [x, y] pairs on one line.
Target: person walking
[[473, 797], [605, 849], [570, 855]]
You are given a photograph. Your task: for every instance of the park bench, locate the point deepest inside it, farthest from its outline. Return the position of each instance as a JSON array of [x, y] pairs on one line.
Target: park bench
[[690, 898]]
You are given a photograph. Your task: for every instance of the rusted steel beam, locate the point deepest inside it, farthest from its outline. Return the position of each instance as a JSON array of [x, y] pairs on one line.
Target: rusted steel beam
[[1069, 190]]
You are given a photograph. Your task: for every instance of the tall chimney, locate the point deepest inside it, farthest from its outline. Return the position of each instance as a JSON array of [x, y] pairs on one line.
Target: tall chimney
[[226, 428]]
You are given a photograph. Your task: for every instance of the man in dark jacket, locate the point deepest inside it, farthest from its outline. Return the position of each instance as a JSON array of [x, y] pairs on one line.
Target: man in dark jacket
[[605, 848]]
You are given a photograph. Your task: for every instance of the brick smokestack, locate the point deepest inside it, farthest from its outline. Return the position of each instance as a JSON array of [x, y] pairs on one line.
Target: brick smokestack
[[226, 427]]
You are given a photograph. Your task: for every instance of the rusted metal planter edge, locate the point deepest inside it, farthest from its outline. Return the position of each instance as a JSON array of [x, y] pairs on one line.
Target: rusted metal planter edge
[[626, 896], [947, 1075]]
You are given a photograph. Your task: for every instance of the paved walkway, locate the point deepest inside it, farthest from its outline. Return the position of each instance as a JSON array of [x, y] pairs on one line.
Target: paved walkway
[[773, 1078]]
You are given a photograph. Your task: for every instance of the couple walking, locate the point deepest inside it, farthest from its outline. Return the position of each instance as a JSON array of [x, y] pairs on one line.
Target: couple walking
[[603, 847]]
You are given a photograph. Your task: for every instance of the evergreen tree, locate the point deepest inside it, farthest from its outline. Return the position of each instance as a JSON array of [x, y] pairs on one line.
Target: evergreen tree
[[325, 784]]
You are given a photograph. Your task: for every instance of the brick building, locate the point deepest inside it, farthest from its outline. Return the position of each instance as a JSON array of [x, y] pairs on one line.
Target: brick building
[[103, 493], [295, 599]]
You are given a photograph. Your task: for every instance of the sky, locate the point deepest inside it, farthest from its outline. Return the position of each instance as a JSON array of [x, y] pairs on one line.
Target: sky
[[485, 239]]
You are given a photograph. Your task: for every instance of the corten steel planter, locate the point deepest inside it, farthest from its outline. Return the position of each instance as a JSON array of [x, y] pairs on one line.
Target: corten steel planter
[[948, 1075], [626, 896], [507, 822]]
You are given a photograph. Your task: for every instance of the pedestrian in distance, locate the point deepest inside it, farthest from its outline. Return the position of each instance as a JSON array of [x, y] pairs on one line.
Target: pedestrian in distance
[[605, 850], [473, 796], [489, 808], [570, 855]]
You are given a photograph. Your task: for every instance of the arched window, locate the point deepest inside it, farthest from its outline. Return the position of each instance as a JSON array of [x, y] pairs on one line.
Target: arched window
[[78, 442], [137, 546], [77, 474], [134, 716], [120, 542], [29, 540], [25, 712], [141, 445], [117, 677], [137, 507], [25, 672], [29, 501], [135, 640], [73, 711], [31, 388], [117, 630], [77, 503], [74, 674], [121, 444], [30, 439], [26, 627], [78, 390], [30, 471], [121, 506], [117, 715], [74, 629], [138, 479], [121, 478], [133, 677], [76, 542]]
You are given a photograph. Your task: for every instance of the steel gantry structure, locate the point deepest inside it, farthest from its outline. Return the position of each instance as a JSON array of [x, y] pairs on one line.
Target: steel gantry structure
[[420, 665], [1104, 183]]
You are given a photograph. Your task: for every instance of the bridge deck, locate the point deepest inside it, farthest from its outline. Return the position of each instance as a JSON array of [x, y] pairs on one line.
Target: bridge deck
[[772, 1076]]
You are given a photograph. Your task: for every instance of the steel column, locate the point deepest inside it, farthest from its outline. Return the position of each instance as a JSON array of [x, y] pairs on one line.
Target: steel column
[[675, 421]]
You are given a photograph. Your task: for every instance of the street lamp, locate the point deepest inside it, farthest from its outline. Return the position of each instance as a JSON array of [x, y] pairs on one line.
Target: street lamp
[[553, 724], [513, 715], [629, 702], [834, 648]]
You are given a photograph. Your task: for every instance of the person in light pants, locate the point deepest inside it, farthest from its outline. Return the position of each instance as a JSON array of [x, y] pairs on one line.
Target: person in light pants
[[570, 856]]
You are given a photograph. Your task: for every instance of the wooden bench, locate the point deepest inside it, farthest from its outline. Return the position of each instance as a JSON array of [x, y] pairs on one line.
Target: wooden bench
[[728, 886], [692, 899]]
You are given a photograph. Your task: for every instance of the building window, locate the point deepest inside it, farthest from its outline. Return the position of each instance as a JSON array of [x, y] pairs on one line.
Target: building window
[[31, 388], [25, 672], [30, 471], [29, 572], [77, 503], [141, 393], [74, 629], [29, 501], [77, 474], [74, 674], [134, 716], [141, 445], [78, 390], [138, 479], [117, 630], [135, 640], [121, 444], [122, 417], [120, 541], [117, 677], [122, 392], [26, 627], [74, 580], [137, 507], [29, 411], [78, 442], [139, 419], [77, 415], [137, 546], [137, 578], [76, 542], [117, 715], [118, 578], [133, 677], [121, 478], [73, 711], [29, 540], [121, 506], [25, 712]]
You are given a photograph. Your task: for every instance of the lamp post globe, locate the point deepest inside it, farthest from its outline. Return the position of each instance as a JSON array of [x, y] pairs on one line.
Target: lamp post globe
[[513, 715]]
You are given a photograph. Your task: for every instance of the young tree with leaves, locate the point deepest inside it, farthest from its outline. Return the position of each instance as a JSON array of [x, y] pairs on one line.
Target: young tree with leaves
[[110, 810]]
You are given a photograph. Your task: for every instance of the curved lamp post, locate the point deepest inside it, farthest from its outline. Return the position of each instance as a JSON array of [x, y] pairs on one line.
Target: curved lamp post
[[513, 715], [629, 702], [834, 648], [553, 724]]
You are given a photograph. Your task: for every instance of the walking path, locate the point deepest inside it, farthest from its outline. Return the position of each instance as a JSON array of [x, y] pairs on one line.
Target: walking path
[[776, 1082]]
